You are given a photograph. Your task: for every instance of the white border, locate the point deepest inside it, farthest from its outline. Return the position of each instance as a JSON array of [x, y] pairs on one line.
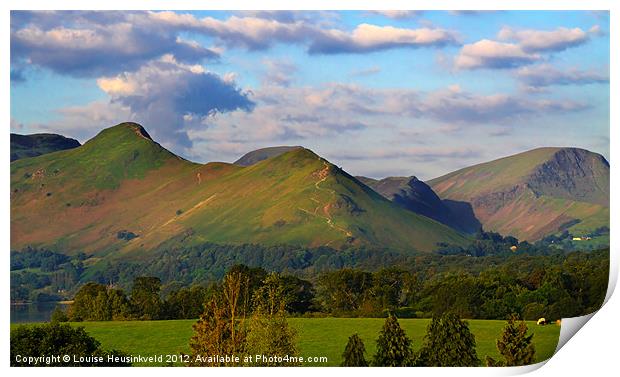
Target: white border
[[594, 349]]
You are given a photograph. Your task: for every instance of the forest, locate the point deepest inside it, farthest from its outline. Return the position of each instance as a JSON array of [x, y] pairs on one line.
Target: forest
[[491, 278], [552, 286]]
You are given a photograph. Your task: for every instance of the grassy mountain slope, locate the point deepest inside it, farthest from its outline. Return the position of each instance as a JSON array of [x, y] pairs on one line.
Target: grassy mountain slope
[[121, 182], [79, 198], [23, 146], [299, 198], [535, 193]]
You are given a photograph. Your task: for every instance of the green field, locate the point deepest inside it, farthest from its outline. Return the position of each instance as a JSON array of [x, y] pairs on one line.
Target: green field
[[317, 336]]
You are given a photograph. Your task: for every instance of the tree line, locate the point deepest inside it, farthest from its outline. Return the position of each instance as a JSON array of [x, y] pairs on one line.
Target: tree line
[[44, 275], [530, 287], [147, 301]]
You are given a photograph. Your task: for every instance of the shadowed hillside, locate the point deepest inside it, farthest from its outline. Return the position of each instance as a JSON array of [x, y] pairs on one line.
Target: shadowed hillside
[[23, 146], [415, 195]]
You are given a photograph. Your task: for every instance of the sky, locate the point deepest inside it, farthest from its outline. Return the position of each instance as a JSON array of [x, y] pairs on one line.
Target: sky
[[379, 93]]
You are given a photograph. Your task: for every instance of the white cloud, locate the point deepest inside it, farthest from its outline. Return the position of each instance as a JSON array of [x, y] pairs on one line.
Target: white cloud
[[546, 75], [411, 153], [366, 37], [492, 54], [398, 14], [517, 48], [259, 33], [84, 122], [545, 40], [92, 44], [16, 126], [278, 72]]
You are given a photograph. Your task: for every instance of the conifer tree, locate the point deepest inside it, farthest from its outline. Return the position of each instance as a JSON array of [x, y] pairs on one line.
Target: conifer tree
[[515, 345], [448, 343], [354, 352], [393, 345]]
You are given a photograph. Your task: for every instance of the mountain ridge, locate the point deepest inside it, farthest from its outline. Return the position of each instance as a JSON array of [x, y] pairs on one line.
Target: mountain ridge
[[25, 146], [122, 182]]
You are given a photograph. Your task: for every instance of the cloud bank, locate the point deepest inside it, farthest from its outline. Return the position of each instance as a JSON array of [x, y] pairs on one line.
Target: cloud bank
[[547, 75], [96, 43], [90, 44], [517, 48]]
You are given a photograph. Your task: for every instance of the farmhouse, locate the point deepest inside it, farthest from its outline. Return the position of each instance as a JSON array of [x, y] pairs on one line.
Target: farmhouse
[[584, 238]]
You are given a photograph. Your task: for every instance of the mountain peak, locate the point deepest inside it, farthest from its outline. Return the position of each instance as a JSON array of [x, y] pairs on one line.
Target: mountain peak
[[293, 158], [580, 153], [573, 173], [137, 129], [414, 195], [534, 193], [124, 131], [116, 153], [259, 155]]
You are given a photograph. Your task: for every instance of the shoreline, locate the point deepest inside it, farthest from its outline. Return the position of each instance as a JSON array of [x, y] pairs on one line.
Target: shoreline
[[64, 302]]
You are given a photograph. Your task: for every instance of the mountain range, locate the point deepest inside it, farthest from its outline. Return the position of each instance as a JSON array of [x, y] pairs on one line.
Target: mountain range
[[123, 193]]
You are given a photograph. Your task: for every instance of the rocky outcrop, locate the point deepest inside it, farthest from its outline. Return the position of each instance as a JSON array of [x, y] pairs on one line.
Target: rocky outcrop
[[575, 174]]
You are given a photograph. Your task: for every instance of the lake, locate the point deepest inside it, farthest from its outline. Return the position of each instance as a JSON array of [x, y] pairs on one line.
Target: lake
[[34, 312]]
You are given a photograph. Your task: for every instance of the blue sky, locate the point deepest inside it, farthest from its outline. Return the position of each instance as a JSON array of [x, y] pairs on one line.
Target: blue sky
[[378, 93]]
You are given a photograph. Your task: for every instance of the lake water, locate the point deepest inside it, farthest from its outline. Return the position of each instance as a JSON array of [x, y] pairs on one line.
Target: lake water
[[34, 312]]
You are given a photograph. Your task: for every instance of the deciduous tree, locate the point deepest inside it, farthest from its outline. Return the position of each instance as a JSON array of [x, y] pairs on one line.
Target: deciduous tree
[[221, 328], [59, 339], [145, 297], [269, 332]]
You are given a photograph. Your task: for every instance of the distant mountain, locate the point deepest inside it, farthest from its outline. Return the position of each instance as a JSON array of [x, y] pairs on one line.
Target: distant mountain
[[23, 146], [122, 194], [259, 155], [535, 193], [417, 196]]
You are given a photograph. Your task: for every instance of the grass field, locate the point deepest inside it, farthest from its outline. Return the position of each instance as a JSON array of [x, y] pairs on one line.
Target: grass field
[[317, 336]]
